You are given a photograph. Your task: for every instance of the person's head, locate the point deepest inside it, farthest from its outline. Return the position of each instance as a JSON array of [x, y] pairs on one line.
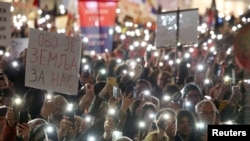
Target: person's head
[[186, 123], [199, 77], [61, 105], [148, 112], [122, 138], [191, 95], [168, 92], [142, 85], [39, 132], [6, 96], [166, 121], [33, 101], [206, 112], [163, 79]]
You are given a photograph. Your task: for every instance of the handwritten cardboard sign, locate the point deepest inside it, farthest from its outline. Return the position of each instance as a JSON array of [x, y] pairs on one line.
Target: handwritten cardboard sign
[[5, 23], [53, 62]]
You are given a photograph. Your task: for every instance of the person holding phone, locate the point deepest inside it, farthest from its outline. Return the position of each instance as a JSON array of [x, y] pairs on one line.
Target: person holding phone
[[16, 129]]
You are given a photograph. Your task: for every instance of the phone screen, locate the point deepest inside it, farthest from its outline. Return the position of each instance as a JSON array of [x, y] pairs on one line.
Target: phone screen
[[23, 117]]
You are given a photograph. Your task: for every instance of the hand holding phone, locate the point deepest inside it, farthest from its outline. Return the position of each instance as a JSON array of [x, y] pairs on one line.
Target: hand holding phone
[[71, 113]]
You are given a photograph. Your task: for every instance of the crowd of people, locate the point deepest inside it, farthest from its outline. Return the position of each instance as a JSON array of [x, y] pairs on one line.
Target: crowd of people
[[128, 100], [163, 94]]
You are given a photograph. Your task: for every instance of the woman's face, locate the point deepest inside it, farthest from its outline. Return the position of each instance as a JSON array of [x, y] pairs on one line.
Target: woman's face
[[184, 127]]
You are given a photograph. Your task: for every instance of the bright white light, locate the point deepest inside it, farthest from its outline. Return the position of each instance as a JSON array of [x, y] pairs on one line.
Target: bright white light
[[200, 125], [6, 54], [49, 129], [84, 60], [166, 97], [85, 39], [200, 67], [92, 52], [39, 11], [178, 61], [166, 57], [191, 50], [206, 81], [187, 55], [146, 93], [142, 124], [219, 36], [88, 119], [187, 103], [131, 47], [118, 11], [122, 37], [103, 71], [170, 62], [149, 24], [47, 17], [152, 115], [91, 138], [12, 8], [18, 101], [14, 64], [111, 111], [118, 60], [188, 65]]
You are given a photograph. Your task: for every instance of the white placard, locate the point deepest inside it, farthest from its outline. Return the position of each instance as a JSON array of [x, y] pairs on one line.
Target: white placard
[[166, 32], [5, 23], [53, 62]]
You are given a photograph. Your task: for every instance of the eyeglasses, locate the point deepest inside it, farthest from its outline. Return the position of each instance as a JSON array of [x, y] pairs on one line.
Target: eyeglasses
[[207, 113], [192, 96]]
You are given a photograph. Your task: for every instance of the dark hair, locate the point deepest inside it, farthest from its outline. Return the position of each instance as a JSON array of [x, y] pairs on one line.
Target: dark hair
[[33, 101], [186, 113], [161, 123], [147, 106], [144, 81], [188, 87], [38, 133], [6, 92]]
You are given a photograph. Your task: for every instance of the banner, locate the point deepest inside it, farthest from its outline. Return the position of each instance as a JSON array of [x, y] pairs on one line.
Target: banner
[[53, 62], [166, 32], [97, 20], [5, 23]]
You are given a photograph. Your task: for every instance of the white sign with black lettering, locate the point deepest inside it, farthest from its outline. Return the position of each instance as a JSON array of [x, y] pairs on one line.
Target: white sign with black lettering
[[53, 62], [5, 23]]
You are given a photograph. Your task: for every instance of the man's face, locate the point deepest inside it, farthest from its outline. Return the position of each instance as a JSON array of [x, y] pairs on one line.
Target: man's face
[[207, 114], [193, 97], [61, 105], [162, 80]]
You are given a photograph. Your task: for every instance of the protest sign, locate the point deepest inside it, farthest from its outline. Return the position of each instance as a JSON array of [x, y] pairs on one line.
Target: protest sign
[[168, 25], [5, 23], [97, 19], [53, 62]]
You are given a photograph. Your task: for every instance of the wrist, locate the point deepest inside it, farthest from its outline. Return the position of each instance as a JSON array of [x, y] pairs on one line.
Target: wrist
[[107, 135]]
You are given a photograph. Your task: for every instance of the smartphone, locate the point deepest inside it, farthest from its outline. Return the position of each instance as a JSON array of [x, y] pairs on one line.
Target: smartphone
[[235, 88], [111, 81], [129, 89], [71, 114], [3, 110], [115, 92], [23, 117]]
